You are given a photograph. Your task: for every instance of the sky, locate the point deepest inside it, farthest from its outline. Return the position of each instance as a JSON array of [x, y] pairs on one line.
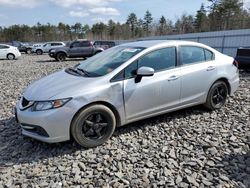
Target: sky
[[92, 11]]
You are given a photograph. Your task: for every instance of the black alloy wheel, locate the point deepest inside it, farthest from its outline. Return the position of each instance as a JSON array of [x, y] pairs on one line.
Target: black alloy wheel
[[217, 96], [93, 126]]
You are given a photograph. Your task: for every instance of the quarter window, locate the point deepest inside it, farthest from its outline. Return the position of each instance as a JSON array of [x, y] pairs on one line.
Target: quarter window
[[160, 59], [209, 55]]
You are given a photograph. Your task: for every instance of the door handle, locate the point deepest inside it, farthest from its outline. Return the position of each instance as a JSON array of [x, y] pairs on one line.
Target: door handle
[[172, 78], [210, 68]]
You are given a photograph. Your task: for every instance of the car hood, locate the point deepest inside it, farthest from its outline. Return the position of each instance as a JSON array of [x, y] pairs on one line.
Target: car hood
[[57, 84]]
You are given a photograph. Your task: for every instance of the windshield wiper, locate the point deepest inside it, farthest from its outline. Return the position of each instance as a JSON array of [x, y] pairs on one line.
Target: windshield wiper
[[84, 72], [76, 71]]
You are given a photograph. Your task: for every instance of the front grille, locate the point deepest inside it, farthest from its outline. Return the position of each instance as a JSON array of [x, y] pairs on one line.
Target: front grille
[[25, 102]]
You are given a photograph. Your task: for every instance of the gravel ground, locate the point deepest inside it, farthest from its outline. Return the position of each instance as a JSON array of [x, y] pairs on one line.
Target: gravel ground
[[188, 148]]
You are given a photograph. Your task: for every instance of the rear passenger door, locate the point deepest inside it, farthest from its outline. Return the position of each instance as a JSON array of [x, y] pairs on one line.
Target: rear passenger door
[[86, 49], [198, 71]]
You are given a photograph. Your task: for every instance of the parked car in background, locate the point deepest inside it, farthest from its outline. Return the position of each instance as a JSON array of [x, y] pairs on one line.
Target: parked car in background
[[46, 47], [243, 58], [124, 84], [37, 45], [104, 44], [22, 47], [9, 52], [75, 49]]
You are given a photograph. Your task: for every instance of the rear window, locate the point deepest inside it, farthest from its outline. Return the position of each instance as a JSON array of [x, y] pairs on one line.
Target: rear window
[[243, 52]]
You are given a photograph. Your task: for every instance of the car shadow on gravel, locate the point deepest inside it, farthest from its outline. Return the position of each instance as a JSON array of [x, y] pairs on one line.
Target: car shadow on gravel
[[17, 149]]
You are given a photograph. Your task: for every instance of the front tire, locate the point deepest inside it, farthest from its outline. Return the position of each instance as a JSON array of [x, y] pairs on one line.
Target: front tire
[[93, 126], [11, 57], [39, 52], [217, 96]]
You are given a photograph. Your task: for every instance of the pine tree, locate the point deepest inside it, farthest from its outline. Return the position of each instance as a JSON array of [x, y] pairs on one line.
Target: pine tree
[[201, 20], [132, 22], [148, 19]]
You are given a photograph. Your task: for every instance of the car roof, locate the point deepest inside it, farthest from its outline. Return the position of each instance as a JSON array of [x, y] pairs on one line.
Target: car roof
[[4, 44], [152, 43]]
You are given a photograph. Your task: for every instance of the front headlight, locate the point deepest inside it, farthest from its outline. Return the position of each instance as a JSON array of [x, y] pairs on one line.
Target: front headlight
[[48, 105], [52, 51]]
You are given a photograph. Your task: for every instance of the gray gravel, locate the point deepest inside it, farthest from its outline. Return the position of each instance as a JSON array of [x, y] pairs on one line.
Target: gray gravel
[[188, 148]]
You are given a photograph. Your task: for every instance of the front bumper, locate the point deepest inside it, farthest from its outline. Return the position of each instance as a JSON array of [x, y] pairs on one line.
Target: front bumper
[[49, 126]]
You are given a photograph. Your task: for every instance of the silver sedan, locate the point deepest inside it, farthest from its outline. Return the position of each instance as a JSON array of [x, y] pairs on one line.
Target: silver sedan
[[124, 84]]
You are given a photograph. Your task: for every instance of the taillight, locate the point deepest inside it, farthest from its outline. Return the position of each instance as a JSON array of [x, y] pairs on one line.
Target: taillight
[[236, 64]]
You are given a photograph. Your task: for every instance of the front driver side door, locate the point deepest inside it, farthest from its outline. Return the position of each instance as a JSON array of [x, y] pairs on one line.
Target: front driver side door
[[155, 94]]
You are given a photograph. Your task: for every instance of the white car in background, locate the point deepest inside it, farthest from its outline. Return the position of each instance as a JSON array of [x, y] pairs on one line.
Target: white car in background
[[46, 47], [9, 52]]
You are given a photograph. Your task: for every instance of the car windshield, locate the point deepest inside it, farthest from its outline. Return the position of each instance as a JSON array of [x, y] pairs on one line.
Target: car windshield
[[107, 61]]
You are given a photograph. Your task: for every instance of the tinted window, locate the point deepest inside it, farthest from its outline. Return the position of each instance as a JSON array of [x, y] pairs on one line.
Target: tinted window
[[4, 47], [75, 44], [85, 44], [159, 59], [56, 44], [190, 54], [97, 43], [209, 55], [243, 52]]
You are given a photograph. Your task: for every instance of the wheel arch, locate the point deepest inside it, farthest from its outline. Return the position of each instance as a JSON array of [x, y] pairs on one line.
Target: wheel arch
[[104, 103], [66, 54], [224, 79], [10, 53]]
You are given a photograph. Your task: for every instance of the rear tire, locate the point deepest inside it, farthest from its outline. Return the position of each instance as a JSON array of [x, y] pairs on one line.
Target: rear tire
[[93, 126], [61, 56], [11, 57], [39, 52], [217, 96]]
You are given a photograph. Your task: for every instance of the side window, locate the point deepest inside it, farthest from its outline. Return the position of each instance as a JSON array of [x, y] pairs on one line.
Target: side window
[[76, 44], [85, 44], [130, 71], [209, 55], [191, 54], [56, 44], [4, 47], [159, 59]]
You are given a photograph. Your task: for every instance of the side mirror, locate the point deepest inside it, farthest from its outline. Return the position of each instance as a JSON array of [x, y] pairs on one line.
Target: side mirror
[[71, 46], [144, 71]]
